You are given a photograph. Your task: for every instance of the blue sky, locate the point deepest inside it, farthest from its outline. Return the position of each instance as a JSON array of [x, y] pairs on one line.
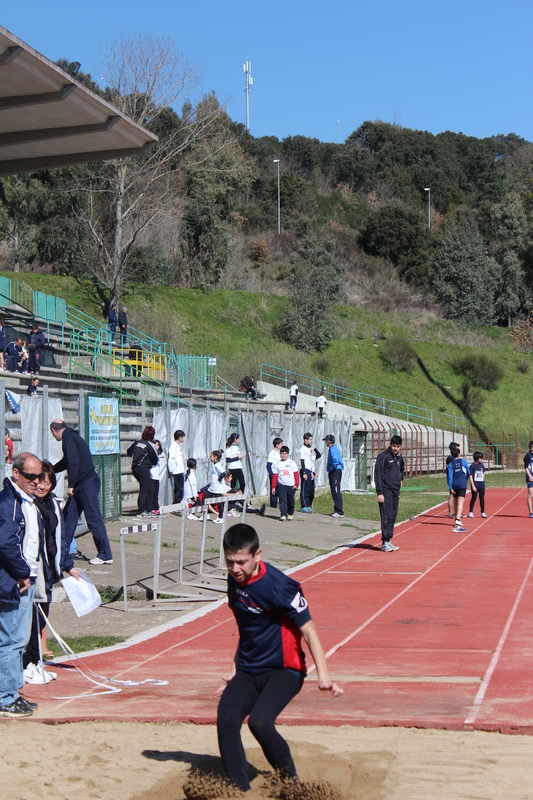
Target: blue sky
[[461, 66]]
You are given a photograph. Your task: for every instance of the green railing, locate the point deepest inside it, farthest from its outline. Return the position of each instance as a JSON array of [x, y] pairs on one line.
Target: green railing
[[45, 306], [91, 362], [367, 402]]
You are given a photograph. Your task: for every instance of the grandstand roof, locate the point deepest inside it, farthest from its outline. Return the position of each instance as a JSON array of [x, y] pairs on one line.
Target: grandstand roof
[[48, 119]]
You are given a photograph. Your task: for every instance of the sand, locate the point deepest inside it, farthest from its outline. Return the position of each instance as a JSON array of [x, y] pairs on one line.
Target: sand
[[145, 761]]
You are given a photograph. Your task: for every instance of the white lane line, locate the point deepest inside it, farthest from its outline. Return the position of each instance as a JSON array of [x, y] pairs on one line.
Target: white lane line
[[478, 700], [379, 572], [380, 611]]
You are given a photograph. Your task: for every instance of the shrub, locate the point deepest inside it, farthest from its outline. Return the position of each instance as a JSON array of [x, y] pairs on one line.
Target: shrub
[[400, 354], [260, 249], [480, 369], [473, 397], [523, 367]]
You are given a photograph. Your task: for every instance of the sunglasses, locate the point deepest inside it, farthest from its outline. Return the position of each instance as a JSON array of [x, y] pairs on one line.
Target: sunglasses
[[32, 476]]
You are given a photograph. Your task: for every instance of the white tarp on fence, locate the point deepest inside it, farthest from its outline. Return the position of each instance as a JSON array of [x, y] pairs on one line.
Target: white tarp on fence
[[207, 430], [31, 424]]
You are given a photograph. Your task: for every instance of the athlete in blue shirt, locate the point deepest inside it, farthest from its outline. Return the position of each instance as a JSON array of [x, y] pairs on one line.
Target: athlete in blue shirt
[[528, 466], [269, 666], [458, 479], [334, 468]]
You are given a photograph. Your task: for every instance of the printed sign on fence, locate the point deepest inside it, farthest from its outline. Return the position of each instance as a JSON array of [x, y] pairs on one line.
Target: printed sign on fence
[[104, 434]]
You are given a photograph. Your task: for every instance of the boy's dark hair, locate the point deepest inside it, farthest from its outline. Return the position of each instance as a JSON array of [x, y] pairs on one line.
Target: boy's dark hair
[[530, 445], [477, 455], [455, 451], [396, 439], [277, 441], [178, 434], [284, 449], [241, 537], [453, 444], [308, 436]]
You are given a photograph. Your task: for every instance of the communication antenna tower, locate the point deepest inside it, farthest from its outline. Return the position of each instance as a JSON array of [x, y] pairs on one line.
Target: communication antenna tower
[[249, 81]]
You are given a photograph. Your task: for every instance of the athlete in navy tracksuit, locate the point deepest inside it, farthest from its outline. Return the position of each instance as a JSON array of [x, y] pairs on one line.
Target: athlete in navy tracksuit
[[389, 472], [269, 666]]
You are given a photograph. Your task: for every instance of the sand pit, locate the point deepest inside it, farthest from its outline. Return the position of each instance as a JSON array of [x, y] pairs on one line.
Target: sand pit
[[143, 761]]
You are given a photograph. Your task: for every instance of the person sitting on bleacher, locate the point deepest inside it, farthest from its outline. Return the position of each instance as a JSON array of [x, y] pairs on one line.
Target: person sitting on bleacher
[[13, 355]]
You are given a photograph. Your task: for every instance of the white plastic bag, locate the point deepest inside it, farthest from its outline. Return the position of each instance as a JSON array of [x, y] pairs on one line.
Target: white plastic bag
[[82, 594]]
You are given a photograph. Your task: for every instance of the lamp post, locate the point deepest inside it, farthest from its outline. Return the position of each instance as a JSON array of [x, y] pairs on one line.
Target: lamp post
[[276, 161], [339, 130], [428, 190]]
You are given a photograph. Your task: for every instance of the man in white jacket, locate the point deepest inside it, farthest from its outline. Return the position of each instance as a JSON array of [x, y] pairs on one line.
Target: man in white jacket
[[176, 466]]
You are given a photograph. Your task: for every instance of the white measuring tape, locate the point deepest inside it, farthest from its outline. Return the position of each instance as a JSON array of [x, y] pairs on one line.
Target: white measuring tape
[[96, 680]]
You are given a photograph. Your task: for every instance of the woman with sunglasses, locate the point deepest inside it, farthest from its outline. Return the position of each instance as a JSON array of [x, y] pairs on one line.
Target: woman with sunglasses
[[54, 557]]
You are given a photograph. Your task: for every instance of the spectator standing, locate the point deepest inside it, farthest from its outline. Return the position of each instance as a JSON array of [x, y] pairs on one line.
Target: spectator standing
[[293, 395], [334, 469], [273, 458], [143, 456], [113, 321], [83, 489], [9, 441], [477, 471], [389, 472], [285, 480], [308, 456], [190, 490], [123, 323], [321, 404], [176, 466], [21, 539], [156, 473], [234, 459], [35, 345], [2, 343], [54, 555]]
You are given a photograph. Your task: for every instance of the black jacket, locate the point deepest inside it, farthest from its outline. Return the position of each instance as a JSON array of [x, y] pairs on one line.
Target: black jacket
[[123, 320], [143, 454], [389, 471], [36, 341], [77, 459]]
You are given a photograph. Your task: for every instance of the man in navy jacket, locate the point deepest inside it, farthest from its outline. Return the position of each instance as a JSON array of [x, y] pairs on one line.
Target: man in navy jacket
[[389, 472], [21, 540], [83, 489], [35, 345]]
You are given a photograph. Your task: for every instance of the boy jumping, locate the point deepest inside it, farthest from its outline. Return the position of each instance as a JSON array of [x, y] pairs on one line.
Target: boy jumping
[[269, 666]]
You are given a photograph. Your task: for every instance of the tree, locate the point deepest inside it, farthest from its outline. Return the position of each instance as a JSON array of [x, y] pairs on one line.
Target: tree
[[508, 230], [399, 233], [316, 284], [463, 275], [122, 198], [18, 195]]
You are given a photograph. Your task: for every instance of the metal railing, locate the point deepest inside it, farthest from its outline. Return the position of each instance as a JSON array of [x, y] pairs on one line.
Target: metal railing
[[362, 400], [45, 306]]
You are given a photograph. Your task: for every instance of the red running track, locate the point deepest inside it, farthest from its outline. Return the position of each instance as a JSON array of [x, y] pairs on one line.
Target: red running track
[[438, 635]]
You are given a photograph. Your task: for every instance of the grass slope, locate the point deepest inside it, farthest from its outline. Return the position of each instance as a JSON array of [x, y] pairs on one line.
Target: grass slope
[[241, 330]]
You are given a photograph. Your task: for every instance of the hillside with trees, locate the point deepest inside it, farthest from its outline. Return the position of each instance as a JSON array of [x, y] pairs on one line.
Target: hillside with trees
[[199, 211]]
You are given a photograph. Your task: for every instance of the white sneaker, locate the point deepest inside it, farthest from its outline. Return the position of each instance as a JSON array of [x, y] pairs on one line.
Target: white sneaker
[[35, 675], [218, 521], [471, 514], [191, 516], [484, 515], [98, 561], [234, 513]]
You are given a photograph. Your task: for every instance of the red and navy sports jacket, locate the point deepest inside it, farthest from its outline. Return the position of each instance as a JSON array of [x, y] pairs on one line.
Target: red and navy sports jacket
[[269, 609]]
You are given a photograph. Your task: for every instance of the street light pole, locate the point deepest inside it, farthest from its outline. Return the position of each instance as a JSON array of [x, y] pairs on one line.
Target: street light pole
[[428, 190], [276, 161], [339, 130]]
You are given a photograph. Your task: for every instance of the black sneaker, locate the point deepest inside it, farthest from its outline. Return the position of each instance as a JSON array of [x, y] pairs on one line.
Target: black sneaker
[[29, 703], [262, 510], [18, 709], [78, 556]]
